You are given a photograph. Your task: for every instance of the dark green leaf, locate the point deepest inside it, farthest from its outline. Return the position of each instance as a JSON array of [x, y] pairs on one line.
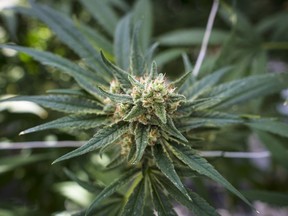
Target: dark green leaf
[[62, 103], [199, 164], [102, 138], [136, 111], [165, 164], [74, 121], [179, 82], [136, 201], [160, 112], [110, 189]]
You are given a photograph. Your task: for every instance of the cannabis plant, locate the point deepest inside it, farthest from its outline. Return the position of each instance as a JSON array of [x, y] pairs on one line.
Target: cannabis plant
[[147, 124]]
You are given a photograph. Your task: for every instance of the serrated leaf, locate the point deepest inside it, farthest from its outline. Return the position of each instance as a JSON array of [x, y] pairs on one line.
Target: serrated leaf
[[165, 164], [160, 112], [181, 80], [161, 202], [153, 71], [196, 204], [202, 86], [136, 201], [135, 82], [141, 141], [96, 38], [75, 92], [102, 138], [142, 12], [172, 130], [247, 88], [63, 64], [71, 36], [122, 42], [208, 119], [199, 164], [275, 146], [137, 64], [120, 75], [103, 13], [136, 111], [110, 189], [86, 185], [62, 103], [191, 37], [85, 121], [270, 125]]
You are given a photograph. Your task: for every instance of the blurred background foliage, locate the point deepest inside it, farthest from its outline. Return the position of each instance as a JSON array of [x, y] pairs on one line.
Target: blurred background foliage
[[250, 35]]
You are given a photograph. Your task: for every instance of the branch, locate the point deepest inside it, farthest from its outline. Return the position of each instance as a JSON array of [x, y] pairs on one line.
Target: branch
[[206, 37]]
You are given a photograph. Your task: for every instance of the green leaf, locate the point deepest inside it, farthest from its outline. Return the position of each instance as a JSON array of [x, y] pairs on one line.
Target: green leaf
[[199, 164], [142, 13], [270, 125], [168, 55], [93, 188], [275, 146], [141, 138], [165, 164], [181, 80], [85, 121], [153, 71], [136, 201], [161, 202], [96, 38], [117, 161], [270, 197], [122, 42], [136, 111], [71, 36], [150, 54], [120, 75], [110, 189], [103, 13], [191, 37], [196, 204], [136, 57], [119, 98], [63, 64], [172, 130], [160, 112], [202, 86], [208, 119], [248, 88], [62, 103], [102, 138]]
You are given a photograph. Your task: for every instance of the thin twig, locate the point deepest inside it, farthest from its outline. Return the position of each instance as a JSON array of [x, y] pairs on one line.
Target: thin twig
[[75, 144], [206, 37]]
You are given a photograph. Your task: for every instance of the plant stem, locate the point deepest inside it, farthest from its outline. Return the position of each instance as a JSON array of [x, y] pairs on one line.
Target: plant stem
[[206, 37]]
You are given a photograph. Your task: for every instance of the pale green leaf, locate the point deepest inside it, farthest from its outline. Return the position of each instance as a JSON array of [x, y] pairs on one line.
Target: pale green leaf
[[135, 112], [110, 189], [191, 37], [199, 164], [181, 80], [153, 71], [102, 138], [122, 42], [160, 112], [270, 125], [141, 139], [119, 98], [136, 201], [103, 13], [205, 84], [165, 164], [62, 103], [85, 121], [248, 88]]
